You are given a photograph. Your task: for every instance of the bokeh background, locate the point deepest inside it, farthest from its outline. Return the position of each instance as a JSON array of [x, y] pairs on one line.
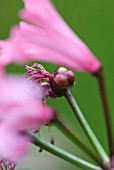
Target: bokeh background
[[93, 21]]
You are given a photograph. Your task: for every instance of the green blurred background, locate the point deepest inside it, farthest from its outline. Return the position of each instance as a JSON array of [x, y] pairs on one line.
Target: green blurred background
[[93, 21]]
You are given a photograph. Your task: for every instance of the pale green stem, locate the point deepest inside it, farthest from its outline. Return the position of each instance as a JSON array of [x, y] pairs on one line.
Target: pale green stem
[[91, 136], [76, 140], [63, 154]]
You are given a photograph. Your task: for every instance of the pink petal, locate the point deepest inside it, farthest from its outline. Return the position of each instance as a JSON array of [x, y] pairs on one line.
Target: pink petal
[[47, 38], [12, 146], [65, 53], [21, 110], [43, 14]]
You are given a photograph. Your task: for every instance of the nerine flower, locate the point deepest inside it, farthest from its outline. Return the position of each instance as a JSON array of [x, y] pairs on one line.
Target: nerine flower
[[45, 36], [20, 112], [41, 78], [12, 51], [54, 84]]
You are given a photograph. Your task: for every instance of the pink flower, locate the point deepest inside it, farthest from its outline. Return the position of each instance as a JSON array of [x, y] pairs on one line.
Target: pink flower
[[40, 78], [54, 84], [11, 49], [20, 112], [47, 37], [8, 51]]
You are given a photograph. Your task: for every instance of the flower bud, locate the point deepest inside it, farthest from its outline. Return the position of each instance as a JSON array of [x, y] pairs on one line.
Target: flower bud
[[61, 80]]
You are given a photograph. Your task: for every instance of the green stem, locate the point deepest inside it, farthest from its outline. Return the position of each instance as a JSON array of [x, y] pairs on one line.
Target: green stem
[[91, 136], [63, 154], [102, 89], [76, 140]]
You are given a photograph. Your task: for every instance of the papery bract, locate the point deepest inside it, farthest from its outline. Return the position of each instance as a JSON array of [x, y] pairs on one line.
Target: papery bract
[[20, 111]]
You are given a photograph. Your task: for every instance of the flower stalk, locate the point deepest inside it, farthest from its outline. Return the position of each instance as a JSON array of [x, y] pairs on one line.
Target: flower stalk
[[63, 154], [76, 140], [102, 89], [91, 136]]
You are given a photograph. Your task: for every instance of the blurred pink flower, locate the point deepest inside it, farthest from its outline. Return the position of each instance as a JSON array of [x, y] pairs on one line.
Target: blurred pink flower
[[45, 36], [19, 112]]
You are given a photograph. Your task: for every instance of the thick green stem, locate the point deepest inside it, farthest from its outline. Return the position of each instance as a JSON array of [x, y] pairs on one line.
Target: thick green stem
[[76, 140], [91, 136], [63, 154]]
